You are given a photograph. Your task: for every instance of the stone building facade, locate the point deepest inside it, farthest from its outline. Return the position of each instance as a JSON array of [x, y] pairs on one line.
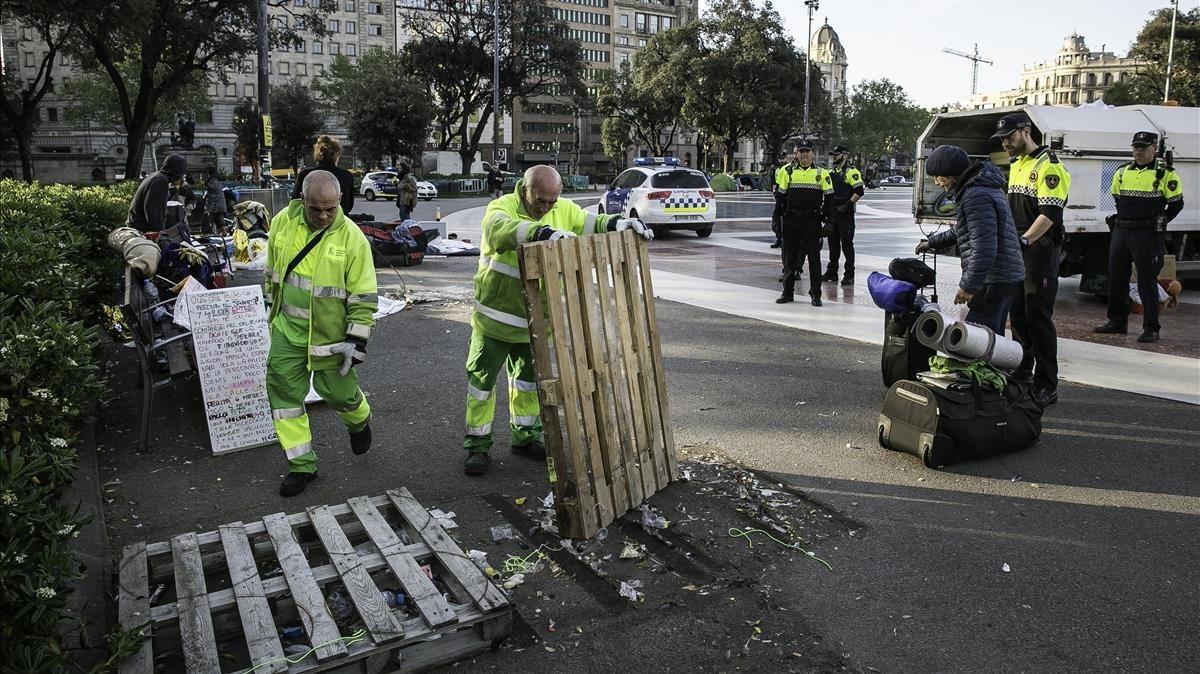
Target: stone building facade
[[1076, 75]]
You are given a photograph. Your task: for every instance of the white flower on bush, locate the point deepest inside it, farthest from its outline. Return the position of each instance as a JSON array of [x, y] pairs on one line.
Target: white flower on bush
[[46, 593], [8, 498], [71, 362], [66, 531], [58, 442], [3, 409], [19, 559], [40, 393]]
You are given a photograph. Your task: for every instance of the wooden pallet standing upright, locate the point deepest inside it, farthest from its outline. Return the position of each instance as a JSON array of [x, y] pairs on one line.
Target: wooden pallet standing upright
[[598, 358]]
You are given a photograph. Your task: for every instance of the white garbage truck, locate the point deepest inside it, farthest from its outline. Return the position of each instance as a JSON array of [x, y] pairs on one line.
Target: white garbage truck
[[1092, 143]]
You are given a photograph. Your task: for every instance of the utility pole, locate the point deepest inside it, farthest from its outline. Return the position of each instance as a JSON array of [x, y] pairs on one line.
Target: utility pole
[[264, 92], [495, 87], [1170, 51], [975, 60], [812, 6]]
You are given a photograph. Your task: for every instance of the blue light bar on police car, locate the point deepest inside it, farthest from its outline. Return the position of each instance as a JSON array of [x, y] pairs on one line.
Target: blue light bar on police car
[[656, 161]]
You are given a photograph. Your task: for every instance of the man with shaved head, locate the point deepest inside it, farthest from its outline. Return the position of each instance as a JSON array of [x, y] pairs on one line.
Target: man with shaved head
[[321, 297], [499, 327]]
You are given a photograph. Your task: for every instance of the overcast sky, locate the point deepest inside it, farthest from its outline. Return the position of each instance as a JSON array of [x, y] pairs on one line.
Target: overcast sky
[[902, 40]]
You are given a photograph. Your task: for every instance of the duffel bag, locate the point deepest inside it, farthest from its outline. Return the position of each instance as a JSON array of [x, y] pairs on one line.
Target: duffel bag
[[943, 422]]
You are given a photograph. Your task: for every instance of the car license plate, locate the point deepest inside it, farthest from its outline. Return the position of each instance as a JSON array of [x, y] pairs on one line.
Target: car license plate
[[687, 217]]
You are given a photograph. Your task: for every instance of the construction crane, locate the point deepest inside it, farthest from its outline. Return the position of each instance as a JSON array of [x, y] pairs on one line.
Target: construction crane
[[975, 59]]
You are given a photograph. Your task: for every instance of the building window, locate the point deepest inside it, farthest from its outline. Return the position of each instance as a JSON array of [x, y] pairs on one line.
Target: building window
[[204, 116], [28, 59], [248, 90], [318, 68], [641, 42], [300, 47], [375, 29], [51, 114], [374, 8], [624, 20], [231, 89], [335, 48], [1091, 79], [1107, 79], [623, 39], [301, 68], [318, 48], [351, 49], [298, 3], [351, 27], [622, 58], [335, 26], [349, 6], [285, 68]]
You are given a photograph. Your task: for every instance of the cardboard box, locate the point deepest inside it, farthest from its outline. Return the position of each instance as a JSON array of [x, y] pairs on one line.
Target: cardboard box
[[1168, 269]]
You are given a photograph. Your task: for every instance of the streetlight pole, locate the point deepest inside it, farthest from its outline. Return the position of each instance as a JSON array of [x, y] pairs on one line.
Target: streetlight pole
[[1170, 51], [812, 6], [264, 91], [495, 85]]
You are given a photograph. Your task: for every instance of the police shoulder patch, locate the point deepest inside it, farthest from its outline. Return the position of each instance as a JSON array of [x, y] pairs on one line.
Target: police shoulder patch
[[1033, 176], [1051, 181], [1172, 185]]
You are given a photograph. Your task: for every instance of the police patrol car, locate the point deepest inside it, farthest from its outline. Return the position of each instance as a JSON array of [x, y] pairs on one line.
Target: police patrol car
[[664, 195]]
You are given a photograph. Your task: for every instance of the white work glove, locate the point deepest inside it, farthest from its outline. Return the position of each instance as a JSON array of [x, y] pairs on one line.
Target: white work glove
[[351, 356], [551, 234], [636, 225]]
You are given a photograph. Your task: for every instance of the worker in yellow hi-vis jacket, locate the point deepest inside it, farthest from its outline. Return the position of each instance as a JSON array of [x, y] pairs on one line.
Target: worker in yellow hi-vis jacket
[[321, 295], [499, 326]]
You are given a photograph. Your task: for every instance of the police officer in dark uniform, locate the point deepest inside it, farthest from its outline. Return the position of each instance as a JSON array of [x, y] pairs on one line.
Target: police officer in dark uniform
[[1148, 194], [808, 192], [777, 213], [1038, 188], [847, 190]]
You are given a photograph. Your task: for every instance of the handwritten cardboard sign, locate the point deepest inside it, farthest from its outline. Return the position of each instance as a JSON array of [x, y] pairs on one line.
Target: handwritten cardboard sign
[[229, 329]]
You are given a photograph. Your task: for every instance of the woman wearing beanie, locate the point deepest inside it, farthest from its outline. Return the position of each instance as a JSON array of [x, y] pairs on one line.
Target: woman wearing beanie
[[326, 152], [986, 237]]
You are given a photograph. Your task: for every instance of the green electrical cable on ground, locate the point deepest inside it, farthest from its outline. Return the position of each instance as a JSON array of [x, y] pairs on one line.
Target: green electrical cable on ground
[[734, 532], [350, 641]]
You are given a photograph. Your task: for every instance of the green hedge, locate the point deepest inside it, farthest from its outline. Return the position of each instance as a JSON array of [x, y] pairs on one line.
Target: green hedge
[[55, 270]]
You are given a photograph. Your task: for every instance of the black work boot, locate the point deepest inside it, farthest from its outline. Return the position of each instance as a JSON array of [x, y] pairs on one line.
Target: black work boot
[[784, 299], [1110, 328], [360, 441], [535, 450], [816, 300], [1044, 396], [848, 280], [295, 482], [477, 463], [830, 275], [778, 244], [1148, 336]]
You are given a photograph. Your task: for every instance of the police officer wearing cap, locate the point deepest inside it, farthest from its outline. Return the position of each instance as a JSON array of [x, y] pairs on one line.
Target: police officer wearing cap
[[847, 190], [1038, 185], [1148, 195], [808, 192]]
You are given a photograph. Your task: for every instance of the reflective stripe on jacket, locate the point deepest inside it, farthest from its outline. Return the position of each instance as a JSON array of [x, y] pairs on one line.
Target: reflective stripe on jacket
[[499, 304], [330, 295]]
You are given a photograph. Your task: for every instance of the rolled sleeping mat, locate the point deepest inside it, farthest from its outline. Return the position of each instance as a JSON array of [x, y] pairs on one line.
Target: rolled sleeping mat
[[978, 342], [140, 254], [930, 327]]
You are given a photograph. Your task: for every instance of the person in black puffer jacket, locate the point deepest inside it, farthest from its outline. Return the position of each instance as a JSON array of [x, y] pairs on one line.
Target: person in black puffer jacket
[[992, 269]]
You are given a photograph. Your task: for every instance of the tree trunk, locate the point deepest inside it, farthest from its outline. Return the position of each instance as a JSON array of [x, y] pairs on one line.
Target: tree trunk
[[467, 156], [135, 146], [730, 148], [25, 148]]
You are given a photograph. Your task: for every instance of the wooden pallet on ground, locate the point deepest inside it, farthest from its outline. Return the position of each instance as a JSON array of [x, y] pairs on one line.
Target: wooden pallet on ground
[[598, 358], [220, 601]]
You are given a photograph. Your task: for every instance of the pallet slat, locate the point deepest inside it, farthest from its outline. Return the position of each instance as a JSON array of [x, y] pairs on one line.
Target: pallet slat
[[133, 605], [583, 515], [195, 619], [627, 307], [364, 594], [573, 280], [314, 614], [433, 607], [482, 592], [660, 379], [646, 379], [262, 639]]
